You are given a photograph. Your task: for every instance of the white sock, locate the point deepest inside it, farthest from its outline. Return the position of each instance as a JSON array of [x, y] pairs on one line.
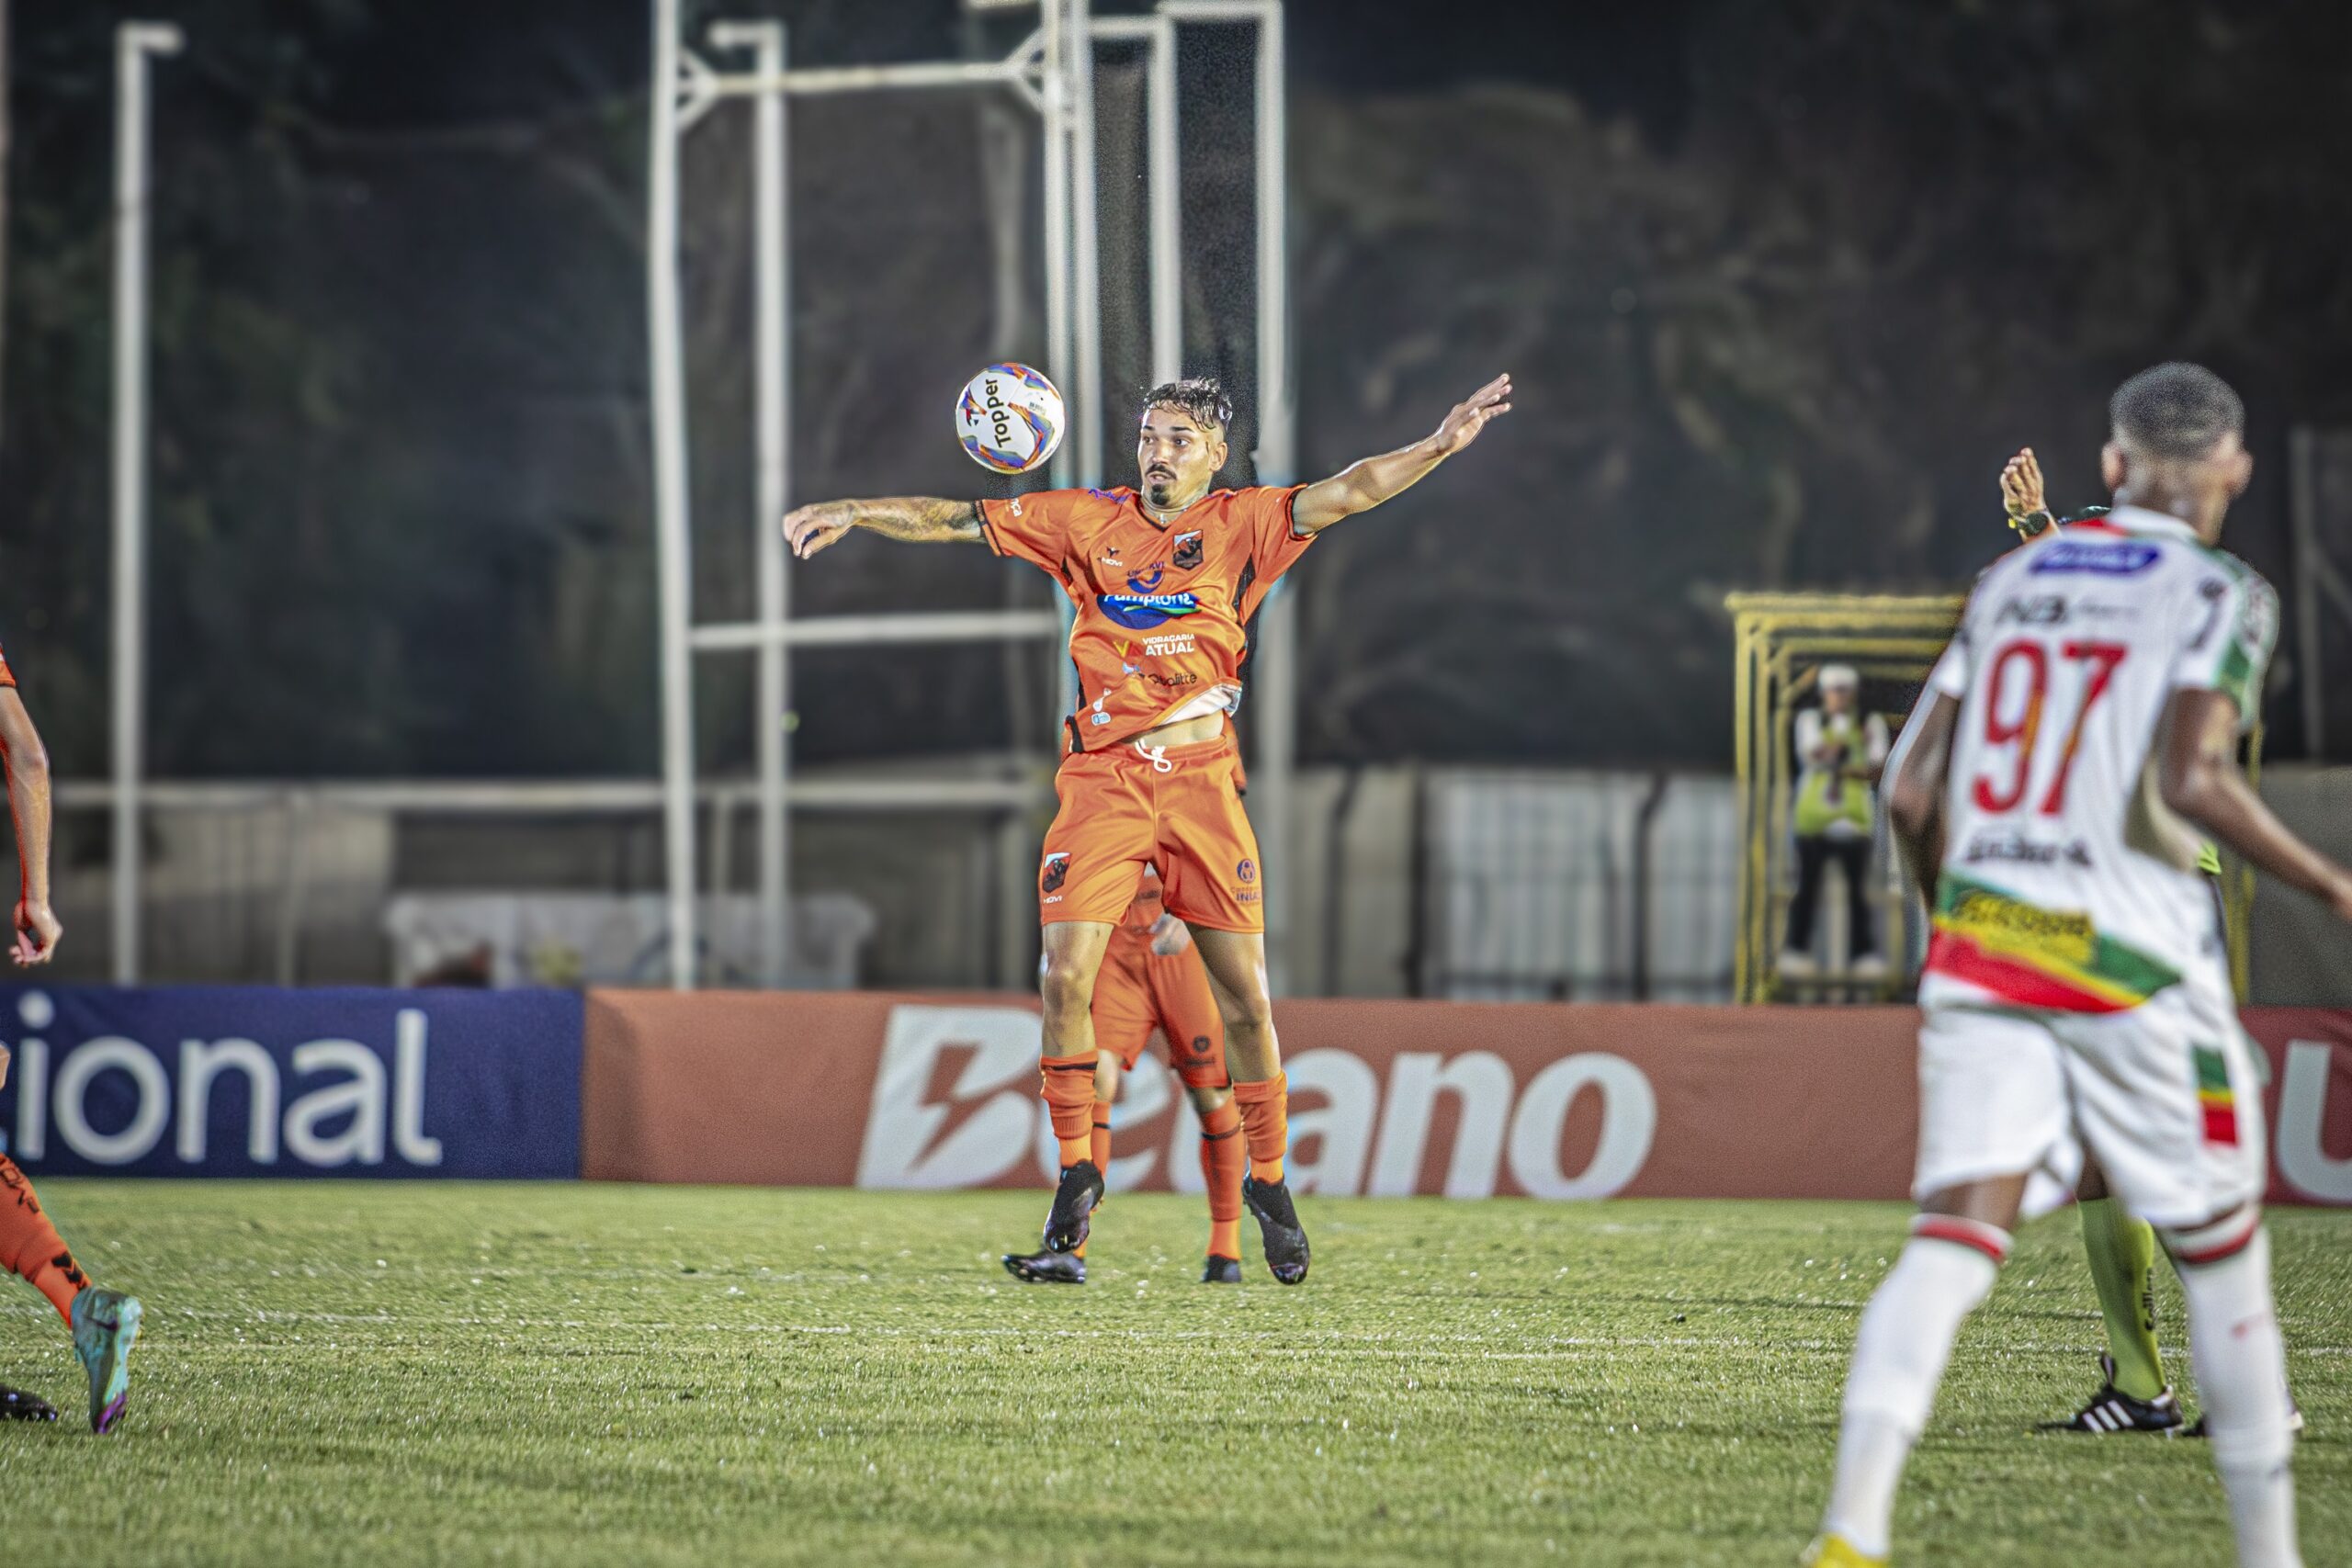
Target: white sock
[[2241, 1367], [1899, 1355]]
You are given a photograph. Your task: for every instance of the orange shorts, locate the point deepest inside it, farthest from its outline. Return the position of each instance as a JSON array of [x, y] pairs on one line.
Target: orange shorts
[[1121, 810], [1138, 991]]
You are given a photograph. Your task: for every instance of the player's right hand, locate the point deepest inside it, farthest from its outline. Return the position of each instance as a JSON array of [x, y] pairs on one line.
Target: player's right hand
[[808, 529], [3, 1066], [2021, 484], [37, 932]]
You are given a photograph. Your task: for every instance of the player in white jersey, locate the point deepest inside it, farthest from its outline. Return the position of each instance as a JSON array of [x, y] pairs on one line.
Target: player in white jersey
[[2082, 730]]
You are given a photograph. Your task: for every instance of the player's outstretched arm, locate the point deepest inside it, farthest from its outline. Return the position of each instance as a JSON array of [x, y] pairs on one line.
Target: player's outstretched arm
[[2199, 779], [1362, 486], [26, 761], [2022, 496], [1915, 797], [918, 519]]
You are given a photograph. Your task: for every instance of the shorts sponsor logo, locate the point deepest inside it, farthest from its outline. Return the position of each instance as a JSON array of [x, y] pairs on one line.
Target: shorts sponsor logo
[[1188, 551], [1140, 612], [2102, 558], [1057, 872], [1247, 870]]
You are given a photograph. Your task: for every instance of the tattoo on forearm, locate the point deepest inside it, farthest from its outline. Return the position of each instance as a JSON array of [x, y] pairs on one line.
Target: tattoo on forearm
[[921, 519]]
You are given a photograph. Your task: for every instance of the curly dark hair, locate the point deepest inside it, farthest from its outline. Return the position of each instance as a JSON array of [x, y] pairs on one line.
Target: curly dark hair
[[1202, 397], [2176, 411]]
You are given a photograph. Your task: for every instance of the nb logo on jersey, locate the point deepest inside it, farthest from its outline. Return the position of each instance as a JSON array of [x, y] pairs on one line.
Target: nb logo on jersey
[[2120, 557]]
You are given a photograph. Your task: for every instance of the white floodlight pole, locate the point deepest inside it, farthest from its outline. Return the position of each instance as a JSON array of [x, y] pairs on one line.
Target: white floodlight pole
[[1054, 88], [1275, 685], [772, 436], [1277, 465], [1167, 205], [1086, 269], [673, 559], [1163, 196], [134, 42]]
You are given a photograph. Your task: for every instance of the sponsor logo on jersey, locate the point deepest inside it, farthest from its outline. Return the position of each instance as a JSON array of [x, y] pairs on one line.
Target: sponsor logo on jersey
[[1168, 646], [2034, 958], [2020, 849], [1156, 679], [1147, 580], [1188, 551], [1057, 872], [1140, 612], [1247, 870], [2039, 610], [2103, 558]]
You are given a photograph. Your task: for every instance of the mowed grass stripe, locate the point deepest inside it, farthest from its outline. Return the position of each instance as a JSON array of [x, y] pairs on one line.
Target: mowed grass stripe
[[380, 1374]]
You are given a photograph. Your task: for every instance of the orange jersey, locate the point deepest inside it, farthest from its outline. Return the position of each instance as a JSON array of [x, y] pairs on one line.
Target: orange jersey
[[1161, 607]]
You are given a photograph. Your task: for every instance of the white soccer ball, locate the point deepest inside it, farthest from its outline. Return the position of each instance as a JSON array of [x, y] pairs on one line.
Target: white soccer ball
[[1011, 418]]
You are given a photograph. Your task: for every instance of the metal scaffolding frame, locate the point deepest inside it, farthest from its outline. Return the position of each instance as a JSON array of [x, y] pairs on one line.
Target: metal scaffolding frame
[[1052, 71]]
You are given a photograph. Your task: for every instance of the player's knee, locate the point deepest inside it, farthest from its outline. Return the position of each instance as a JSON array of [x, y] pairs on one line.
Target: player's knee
[[1067, 986]]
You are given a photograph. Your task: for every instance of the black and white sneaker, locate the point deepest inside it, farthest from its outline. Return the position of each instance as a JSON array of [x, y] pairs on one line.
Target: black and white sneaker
[[2111, 1411], [1280, 1236], [1047, 1268], [1074, 1201], [1221, 1271]]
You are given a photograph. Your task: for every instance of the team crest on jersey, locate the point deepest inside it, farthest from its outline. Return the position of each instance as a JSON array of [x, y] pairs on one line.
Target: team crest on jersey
[[1188, 550], [1140, 612], [1057, 872], [2103, 558]]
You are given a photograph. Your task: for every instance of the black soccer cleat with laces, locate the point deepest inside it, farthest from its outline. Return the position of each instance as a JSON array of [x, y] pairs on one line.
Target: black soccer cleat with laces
[[1280, 1236], [17, 1405], [1047, 1268], [1221, 1271], [1074, 1201], [2111, 1411]]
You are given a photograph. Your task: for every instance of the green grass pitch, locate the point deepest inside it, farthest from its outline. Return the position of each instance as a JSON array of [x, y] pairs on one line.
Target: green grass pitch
[[583, 1374]]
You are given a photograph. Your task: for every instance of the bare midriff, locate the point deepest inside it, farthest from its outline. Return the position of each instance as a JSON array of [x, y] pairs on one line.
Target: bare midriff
[[1185, 732]]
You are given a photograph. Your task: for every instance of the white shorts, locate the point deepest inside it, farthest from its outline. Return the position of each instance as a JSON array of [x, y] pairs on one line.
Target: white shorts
[[2164, 1095]]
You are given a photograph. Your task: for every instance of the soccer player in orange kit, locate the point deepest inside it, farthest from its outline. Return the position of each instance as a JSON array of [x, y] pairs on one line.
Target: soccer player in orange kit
[[1152, 979], [105, 1322], [1164, 580]]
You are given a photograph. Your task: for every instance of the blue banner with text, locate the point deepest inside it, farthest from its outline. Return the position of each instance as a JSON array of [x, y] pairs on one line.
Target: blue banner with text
[[255, 1081]]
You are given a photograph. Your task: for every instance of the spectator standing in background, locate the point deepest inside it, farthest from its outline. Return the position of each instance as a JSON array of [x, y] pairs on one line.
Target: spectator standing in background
[[1840, 752]]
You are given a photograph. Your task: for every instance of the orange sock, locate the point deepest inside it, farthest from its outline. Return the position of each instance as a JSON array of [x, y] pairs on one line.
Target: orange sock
[[1069, 1099], [1098, 1146], [1265, 1124], [30, 1245], [1222, 1159]]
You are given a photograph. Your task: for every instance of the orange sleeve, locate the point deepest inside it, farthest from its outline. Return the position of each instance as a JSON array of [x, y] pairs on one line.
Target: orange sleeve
[[1275, 543], [1033, 527]]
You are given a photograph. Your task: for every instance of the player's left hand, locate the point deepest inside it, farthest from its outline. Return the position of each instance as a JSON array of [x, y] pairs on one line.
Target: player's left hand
[[37, 932], [1170, 936], [1471, 415], [3, 1066]]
